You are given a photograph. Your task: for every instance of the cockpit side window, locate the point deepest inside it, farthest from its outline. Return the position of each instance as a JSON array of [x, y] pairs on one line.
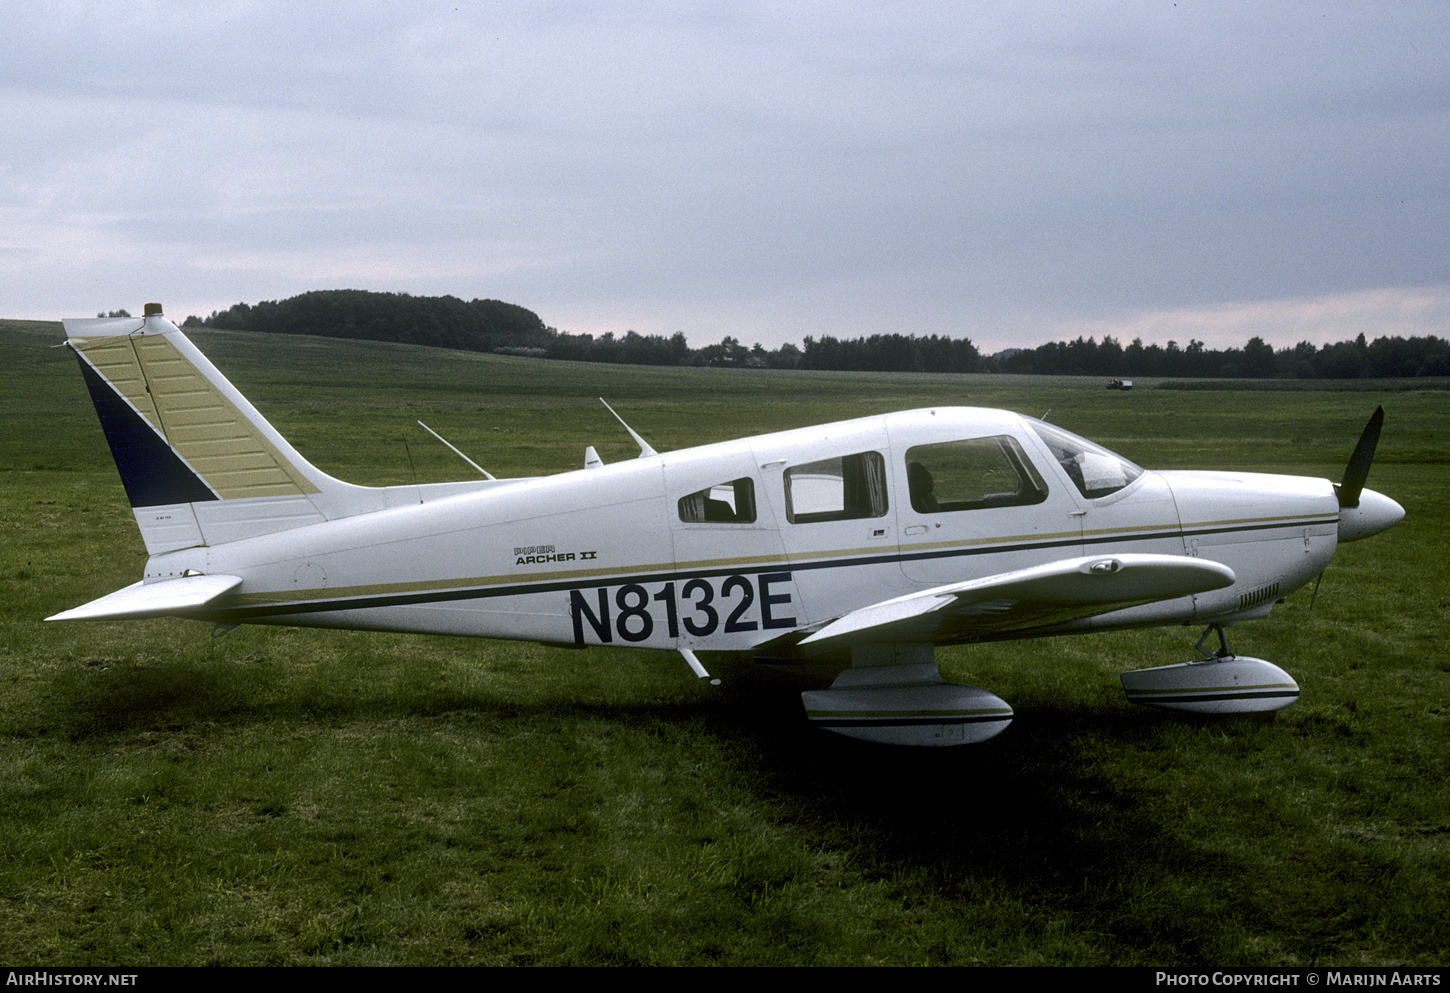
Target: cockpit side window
[[1094, 470], [841, 489], [723, 503], [971, 474]]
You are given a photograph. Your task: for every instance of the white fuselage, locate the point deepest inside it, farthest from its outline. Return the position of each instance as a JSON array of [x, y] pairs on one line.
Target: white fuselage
[[732, 546]]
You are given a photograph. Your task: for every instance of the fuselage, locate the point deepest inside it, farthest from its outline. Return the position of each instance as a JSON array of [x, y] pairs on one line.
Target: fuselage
[[734, 546]]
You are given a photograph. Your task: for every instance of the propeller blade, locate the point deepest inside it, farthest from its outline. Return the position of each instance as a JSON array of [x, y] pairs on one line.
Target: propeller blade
[[1358, 469]]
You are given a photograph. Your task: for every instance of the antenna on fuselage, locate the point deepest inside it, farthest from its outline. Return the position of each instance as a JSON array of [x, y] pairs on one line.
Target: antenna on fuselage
[[408, 450], [644, 448], [456, 451]]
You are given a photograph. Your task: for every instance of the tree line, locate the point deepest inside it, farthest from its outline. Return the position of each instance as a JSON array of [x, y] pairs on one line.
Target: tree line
[[505, 328], [1386, 357]]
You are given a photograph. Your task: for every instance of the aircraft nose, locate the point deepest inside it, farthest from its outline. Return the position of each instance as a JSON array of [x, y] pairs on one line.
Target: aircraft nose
[[1375, 513]]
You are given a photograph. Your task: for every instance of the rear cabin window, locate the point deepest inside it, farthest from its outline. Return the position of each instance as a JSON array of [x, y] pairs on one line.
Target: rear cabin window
[[971, 475], [723, 503], [841, 489]]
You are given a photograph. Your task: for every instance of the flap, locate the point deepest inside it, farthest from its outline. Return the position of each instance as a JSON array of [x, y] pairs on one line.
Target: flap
[[1045, 594]]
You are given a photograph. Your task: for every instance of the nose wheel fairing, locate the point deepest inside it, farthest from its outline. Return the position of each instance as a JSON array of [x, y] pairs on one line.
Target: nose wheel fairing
[[1219, 683]]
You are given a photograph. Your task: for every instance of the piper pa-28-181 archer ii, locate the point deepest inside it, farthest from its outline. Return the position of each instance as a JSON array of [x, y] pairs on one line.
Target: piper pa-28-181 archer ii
[[865, 543]]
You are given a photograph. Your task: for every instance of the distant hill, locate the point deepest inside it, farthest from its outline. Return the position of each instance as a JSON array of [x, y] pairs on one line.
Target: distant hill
[[444, 322], [52, 328]]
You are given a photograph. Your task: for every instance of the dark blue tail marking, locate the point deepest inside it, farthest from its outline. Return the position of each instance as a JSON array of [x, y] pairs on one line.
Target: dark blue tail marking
[[150, 471]]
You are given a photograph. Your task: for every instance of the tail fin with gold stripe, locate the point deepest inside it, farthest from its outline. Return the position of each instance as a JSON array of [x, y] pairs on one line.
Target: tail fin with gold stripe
[[200, 465]]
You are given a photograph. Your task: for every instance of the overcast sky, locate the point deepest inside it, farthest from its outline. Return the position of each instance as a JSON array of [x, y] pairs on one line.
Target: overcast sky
[[1012, 173]]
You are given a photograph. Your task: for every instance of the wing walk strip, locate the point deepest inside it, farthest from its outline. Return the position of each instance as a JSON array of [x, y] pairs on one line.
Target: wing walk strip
[[276, 603]]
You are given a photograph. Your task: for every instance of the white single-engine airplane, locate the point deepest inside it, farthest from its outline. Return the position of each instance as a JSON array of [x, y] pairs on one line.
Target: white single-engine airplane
[[866, 542]]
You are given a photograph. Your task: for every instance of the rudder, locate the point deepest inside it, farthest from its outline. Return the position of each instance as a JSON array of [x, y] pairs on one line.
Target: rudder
[[199, 464]]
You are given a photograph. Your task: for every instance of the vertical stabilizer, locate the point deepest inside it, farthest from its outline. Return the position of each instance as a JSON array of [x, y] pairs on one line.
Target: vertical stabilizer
[[200, 465]]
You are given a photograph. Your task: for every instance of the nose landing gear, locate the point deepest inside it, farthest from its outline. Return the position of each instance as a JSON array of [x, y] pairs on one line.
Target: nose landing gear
[[1219, 683]]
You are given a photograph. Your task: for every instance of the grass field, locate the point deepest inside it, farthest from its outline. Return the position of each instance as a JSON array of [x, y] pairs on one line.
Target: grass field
[[281, 796]]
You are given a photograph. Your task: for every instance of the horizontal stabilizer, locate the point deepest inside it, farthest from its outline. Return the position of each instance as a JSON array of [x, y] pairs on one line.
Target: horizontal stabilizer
[[153, 599], [1045, 594]]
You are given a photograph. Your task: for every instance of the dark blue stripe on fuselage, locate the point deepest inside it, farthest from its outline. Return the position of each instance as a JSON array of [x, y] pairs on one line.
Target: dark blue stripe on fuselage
[[150, 471]]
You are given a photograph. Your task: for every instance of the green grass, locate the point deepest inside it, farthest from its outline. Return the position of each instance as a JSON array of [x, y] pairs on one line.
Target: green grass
[[281, 796]]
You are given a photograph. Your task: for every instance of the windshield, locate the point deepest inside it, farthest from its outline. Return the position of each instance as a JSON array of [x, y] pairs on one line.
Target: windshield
[[1095, 471]]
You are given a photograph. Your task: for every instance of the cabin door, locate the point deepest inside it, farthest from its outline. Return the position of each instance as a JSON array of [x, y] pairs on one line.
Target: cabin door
[[973, 507]]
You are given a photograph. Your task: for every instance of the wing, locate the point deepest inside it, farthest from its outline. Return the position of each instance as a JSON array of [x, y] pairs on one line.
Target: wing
[[153, 599], [1024, 599]]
